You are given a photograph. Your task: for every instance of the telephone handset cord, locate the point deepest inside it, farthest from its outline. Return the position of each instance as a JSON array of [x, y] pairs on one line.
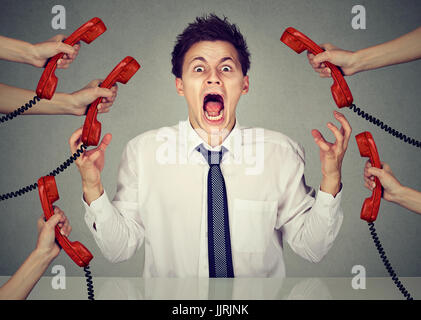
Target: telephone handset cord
[[55, 172], [385, 127], [89, 283], [20, 110], [386, 262]]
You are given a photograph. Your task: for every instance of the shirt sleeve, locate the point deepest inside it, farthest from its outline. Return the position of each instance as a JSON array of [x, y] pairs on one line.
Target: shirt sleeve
[[309, 220], [117, 225]]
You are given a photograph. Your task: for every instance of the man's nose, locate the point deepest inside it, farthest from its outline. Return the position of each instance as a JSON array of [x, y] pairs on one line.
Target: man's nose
[[213, 78]]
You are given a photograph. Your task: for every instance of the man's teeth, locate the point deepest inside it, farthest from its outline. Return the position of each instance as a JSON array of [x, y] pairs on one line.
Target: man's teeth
[[218, 117]]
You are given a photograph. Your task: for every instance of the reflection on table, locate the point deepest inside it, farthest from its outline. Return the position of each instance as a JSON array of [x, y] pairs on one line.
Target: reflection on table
[[224, 289]]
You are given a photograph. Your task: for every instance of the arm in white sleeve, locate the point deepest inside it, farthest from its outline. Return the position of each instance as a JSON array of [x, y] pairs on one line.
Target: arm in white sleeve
[[308, 222], [117, 226]]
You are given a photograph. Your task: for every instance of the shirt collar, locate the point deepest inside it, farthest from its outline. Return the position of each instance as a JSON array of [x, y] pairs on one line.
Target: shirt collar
[[233, 142]]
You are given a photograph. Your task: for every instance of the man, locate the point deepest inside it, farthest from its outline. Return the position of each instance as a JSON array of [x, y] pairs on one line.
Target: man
[[201, 213]]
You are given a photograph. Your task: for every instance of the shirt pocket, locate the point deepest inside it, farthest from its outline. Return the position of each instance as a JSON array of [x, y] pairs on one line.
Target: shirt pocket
[[253, 225]]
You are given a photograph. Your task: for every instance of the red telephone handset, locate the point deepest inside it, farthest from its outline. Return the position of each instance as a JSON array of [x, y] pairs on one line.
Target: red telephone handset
[[368, 148], [299, 42], [88, 32], [48, 194], [121, 73]]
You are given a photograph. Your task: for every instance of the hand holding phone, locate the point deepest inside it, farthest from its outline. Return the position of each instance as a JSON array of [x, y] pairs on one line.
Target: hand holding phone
[[299, 42], [88, 32], [48, 194], [368, 148], [121, 73]]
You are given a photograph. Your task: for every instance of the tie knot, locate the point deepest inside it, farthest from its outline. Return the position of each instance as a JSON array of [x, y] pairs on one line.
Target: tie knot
[[212, 157]]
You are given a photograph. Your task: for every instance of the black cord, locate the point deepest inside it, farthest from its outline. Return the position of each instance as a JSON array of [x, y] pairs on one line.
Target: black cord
[[387, 263], [69, 161], [89, 283], [385, 127], [20, 110], [55, 172], [19, 192]]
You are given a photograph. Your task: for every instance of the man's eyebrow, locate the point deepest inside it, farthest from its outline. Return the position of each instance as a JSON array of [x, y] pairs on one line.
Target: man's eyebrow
[[225, 59], [204, 60], [197, 58]]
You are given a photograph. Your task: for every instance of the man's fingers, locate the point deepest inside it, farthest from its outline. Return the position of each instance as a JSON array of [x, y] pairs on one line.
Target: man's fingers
[[310, 56], [105, 142], [322, 69], [63, 222], [339, 137], [369, 186], [104, 107], [65, 227], [320, 140], [347, 129], [375, 172], [325, 75], [103, 92], [94, 83], [386, 167], [75, 140], [53, 221], [40, 222], [326, 70], [367, 174], [114, 88], [327, 46], [58, 37], [322, 57], [63, 47]]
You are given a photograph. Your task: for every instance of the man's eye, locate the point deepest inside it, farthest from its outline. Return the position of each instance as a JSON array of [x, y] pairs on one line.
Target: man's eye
[[199, 69], [226, 68]]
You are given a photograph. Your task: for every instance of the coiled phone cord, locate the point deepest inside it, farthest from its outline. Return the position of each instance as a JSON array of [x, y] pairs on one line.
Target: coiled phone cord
[[55, 172], [386, 262], [89, 283], [385, 127], [20, 110]]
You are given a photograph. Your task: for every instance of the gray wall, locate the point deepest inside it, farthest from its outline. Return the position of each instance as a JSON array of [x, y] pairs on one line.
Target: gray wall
[[285, 95]]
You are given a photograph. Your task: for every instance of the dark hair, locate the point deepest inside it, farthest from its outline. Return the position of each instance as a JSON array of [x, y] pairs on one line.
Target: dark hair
[[209, 28]]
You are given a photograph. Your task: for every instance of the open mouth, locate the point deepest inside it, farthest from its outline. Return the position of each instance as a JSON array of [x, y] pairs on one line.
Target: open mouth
[[213, 106]]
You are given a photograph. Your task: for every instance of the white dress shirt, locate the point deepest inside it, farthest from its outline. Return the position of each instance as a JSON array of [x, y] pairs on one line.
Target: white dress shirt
[[161, 202]]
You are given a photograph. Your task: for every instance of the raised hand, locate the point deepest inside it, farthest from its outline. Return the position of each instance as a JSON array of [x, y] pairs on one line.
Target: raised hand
[[90, 165], [332, 154]]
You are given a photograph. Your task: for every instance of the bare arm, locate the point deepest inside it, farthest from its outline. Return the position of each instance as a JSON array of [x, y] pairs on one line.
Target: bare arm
[[26, 277], [11, 98], [403, 49], [393, 190], [410, 199], [37, 54]]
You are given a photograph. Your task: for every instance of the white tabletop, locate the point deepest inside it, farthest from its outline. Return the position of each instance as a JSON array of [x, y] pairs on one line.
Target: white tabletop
[[74, 288]]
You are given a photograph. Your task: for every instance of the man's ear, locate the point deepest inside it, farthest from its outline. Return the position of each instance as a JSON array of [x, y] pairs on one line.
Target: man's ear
[[179, 86], [246, 85]]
